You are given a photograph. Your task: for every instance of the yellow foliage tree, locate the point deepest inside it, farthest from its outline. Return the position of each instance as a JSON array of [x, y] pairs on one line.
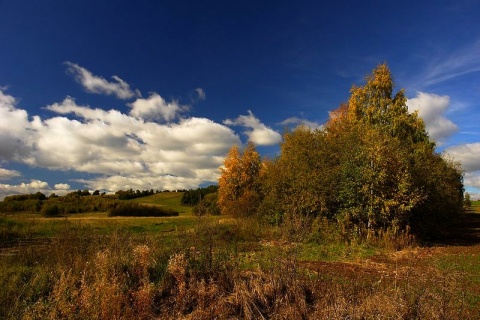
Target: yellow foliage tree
[[239, 186], [372, 166]]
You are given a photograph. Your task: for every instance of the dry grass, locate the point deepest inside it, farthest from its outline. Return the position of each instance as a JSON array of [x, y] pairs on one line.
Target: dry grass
[[221, 270]]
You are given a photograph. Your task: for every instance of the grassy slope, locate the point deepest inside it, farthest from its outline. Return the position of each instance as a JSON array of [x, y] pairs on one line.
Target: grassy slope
[[33, 225], [169, 200], [476, 206]]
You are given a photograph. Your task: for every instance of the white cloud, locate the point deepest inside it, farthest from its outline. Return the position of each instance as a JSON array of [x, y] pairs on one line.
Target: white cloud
[[95, 84], [298, 121], [32, 187], [14, 129], [472, 179], [155, 108], [467, 154], [120, 150], [259, 133], [62, 186], [457, 63], [201, 94], [432, 108], [6, 174]]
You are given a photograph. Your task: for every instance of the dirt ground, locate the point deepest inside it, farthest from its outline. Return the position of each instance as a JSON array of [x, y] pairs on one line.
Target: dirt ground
[[461, 243]]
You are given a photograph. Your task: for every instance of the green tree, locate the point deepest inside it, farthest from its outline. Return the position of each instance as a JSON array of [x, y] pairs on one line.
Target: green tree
[[467, 201], [372, 166]]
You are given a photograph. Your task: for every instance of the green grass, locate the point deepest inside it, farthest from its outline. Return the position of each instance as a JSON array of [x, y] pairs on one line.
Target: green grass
[[476, 206], [467, 264], [33, 225], [169, 200], [22, 226]]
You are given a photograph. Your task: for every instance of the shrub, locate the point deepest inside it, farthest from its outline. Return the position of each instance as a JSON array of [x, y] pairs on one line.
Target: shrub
[[138, 210], [50, 211]]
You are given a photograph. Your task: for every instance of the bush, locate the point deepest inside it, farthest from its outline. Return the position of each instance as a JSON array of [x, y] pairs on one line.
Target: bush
[[138, 210], [208, 205], [50, 211]]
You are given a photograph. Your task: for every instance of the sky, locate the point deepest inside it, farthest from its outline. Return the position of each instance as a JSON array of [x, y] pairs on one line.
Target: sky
[[113, 95]]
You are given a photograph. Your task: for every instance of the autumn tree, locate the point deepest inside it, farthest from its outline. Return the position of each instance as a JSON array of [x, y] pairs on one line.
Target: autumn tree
[[371, 167], [388, 162], [239, 186], [298, 184]]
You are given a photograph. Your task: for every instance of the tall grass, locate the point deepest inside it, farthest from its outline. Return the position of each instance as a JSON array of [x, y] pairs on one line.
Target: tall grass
[[218, 268]]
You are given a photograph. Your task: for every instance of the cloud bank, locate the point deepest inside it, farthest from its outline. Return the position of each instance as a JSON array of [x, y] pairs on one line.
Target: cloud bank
[[151, 147], [121, 150]]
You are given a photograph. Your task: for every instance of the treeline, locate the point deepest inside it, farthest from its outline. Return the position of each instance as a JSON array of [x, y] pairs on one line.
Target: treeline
[[73, 202], [24, 197], [193, 197], [371, 168], [84, 201], [130, 194]]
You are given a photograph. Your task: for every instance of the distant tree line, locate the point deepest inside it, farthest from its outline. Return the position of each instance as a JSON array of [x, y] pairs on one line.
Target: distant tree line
[[193, 196], [130, 194], [83, 201], [24, 197]]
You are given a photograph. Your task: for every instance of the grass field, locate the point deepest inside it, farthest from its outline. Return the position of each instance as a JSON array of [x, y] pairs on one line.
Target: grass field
[[476, 206], [169, 200], [91, 266]]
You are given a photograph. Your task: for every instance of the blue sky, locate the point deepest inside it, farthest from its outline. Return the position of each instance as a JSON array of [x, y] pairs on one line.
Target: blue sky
[[114, 95]]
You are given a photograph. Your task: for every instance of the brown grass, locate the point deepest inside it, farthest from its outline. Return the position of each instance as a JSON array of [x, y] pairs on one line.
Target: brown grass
[[221, 270]]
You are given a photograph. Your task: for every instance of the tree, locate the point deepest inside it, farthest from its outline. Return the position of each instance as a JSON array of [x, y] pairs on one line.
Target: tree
[[467, 201], [239, 187], [374, 106], [300, 179], [387, 163], [372, 166]]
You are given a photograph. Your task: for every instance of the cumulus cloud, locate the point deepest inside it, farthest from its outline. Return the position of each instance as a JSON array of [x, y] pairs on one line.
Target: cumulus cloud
[[467, 154], [6, 174], [14, 129], [96, 84], [155, 108], [32, 187], [257, 132], [299, 121], [118, 150], [62, 186], [472, 179], [432, 108]]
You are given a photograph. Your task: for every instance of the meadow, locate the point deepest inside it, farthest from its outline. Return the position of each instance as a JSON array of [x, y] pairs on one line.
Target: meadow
[[92, 266]]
